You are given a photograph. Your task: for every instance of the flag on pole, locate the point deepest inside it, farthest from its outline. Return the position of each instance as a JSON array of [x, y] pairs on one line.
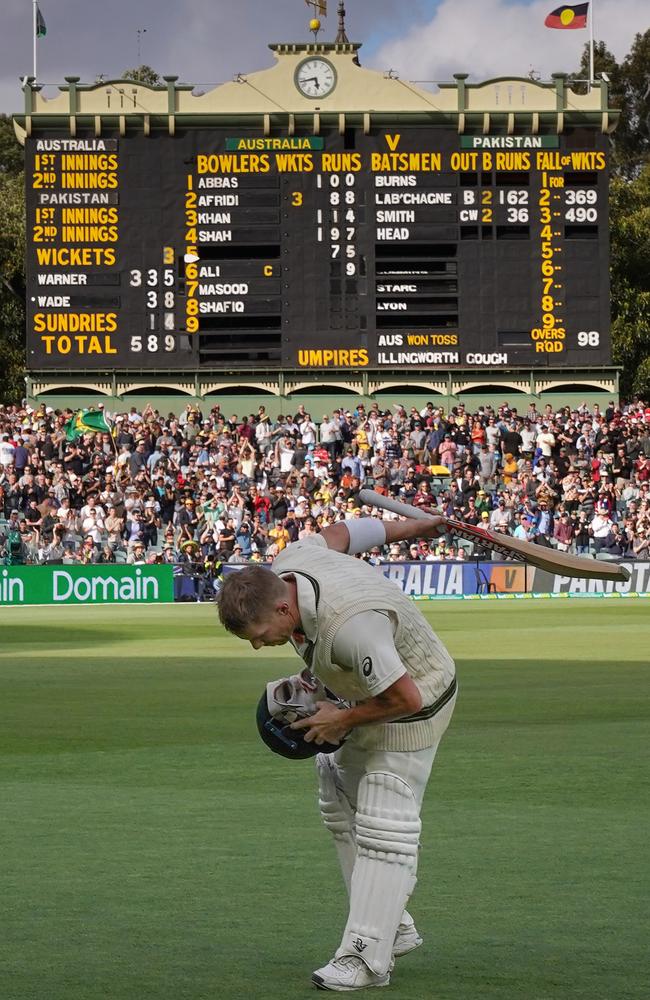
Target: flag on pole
[[41, 27], [85, 421], [568, 16], [320, 6]]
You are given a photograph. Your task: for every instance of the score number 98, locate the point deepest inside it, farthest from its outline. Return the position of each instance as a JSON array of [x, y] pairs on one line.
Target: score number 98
[[588, 338]]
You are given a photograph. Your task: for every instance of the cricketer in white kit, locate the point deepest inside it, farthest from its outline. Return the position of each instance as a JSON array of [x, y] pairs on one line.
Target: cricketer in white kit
[[369, 644]]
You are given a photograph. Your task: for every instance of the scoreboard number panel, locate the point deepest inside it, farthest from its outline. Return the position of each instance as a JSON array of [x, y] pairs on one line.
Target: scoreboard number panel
[[408, 248]]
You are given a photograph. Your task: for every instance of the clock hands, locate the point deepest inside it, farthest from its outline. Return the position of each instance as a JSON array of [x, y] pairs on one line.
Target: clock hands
[[315, 78]]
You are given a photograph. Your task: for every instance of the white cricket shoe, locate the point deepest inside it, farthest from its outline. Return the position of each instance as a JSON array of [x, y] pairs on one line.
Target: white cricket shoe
[[407, 939], [347, 973]]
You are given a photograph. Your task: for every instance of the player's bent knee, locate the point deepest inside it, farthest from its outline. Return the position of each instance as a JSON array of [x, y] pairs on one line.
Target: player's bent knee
[[388, 819]]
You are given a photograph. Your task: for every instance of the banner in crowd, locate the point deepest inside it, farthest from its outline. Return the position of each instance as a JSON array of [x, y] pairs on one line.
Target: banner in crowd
[[427, 580], [639, 582], [86, 584], [421, 580], [449, 579]]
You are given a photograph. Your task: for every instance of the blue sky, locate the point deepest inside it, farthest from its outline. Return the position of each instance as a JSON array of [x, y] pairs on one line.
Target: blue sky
[[208, 41]]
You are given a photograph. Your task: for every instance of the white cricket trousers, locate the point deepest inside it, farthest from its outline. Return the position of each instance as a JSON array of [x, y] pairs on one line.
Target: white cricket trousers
[[384, 809]]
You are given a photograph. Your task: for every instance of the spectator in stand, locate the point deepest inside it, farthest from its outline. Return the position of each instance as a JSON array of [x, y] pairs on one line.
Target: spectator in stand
[[616, 543], [543, 524], [447, 451], [136, 556], [581, 535], [492, 434], [545, 441], [328, 433], [525, 529], [133, 529], [186, 520], [354, 464], [511, 439], [488, 465], [501, 517], [237, 557], [563, 532], [423, 496], [641, 543], [88, 552], [478, 436], [510, 469], [244, 540], [150, 522], [600, 528], [279, 537]]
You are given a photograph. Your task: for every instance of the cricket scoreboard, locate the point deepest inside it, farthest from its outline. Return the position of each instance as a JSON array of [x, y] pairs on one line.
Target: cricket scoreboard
[[405, 248]]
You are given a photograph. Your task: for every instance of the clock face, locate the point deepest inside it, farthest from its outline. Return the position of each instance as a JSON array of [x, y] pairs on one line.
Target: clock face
[[315, 78]]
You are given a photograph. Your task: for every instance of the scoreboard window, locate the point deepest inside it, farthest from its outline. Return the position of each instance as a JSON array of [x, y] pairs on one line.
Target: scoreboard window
[[406, 248]]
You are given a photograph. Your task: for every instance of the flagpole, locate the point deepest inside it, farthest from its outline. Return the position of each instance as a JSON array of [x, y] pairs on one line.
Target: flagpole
[[591, 44], [34, 38]]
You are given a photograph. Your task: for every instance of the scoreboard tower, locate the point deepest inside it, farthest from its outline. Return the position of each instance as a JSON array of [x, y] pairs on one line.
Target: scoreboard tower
[[318, 223]]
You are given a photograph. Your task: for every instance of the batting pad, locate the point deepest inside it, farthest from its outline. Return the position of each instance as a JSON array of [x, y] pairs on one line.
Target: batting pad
[[337, 815], [387, 834]]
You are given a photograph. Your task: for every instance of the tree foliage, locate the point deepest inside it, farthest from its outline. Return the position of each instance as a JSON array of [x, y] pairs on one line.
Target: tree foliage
[[143, 74], [12, 285], [629, 91], [630, 278], [11, 152], [12, 263]]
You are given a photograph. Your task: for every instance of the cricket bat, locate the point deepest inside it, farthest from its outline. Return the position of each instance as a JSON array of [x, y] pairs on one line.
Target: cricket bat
[[510, 548]]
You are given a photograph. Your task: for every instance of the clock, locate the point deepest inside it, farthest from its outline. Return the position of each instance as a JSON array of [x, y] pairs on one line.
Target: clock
[[315, 78]]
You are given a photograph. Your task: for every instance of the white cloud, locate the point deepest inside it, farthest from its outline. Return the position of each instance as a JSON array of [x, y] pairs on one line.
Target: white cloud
[[496, 38], [207, 41], [201, 41]]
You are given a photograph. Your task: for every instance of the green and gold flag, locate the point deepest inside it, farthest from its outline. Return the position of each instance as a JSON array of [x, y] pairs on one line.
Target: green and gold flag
[[86, 421], [41, 27]]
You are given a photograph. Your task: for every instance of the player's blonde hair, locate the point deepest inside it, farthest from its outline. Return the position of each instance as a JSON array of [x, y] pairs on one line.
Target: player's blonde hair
[[247, 596]]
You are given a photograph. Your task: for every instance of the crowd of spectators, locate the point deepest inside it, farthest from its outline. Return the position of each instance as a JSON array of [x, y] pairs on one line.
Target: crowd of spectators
[[207, 488]]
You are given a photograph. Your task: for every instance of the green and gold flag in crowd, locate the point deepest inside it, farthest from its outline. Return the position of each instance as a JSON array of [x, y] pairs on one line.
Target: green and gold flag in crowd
[[85, 421]]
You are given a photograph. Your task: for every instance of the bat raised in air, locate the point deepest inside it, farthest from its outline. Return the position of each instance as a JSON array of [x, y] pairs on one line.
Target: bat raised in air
[[511, 548]]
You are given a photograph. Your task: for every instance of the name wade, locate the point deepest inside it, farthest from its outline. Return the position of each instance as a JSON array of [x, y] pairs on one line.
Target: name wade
[[53, 301]]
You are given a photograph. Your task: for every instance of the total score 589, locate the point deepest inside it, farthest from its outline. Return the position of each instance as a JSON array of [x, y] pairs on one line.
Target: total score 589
[[159, 300]]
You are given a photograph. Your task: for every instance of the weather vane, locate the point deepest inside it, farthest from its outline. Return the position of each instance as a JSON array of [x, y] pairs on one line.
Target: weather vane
[[320, 10]]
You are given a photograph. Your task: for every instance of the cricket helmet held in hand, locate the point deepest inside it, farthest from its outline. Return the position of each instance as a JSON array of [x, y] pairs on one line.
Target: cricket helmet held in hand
[[285, 701]]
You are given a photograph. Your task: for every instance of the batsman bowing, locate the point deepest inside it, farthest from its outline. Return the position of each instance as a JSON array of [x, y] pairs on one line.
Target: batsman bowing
[[371, 704]]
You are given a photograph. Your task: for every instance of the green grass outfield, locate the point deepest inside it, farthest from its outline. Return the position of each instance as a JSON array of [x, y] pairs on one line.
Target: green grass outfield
[[152, 849]]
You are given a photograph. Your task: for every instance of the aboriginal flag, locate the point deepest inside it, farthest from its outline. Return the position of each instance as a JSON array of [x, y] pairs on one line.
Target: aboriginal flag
[[574, 16]]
